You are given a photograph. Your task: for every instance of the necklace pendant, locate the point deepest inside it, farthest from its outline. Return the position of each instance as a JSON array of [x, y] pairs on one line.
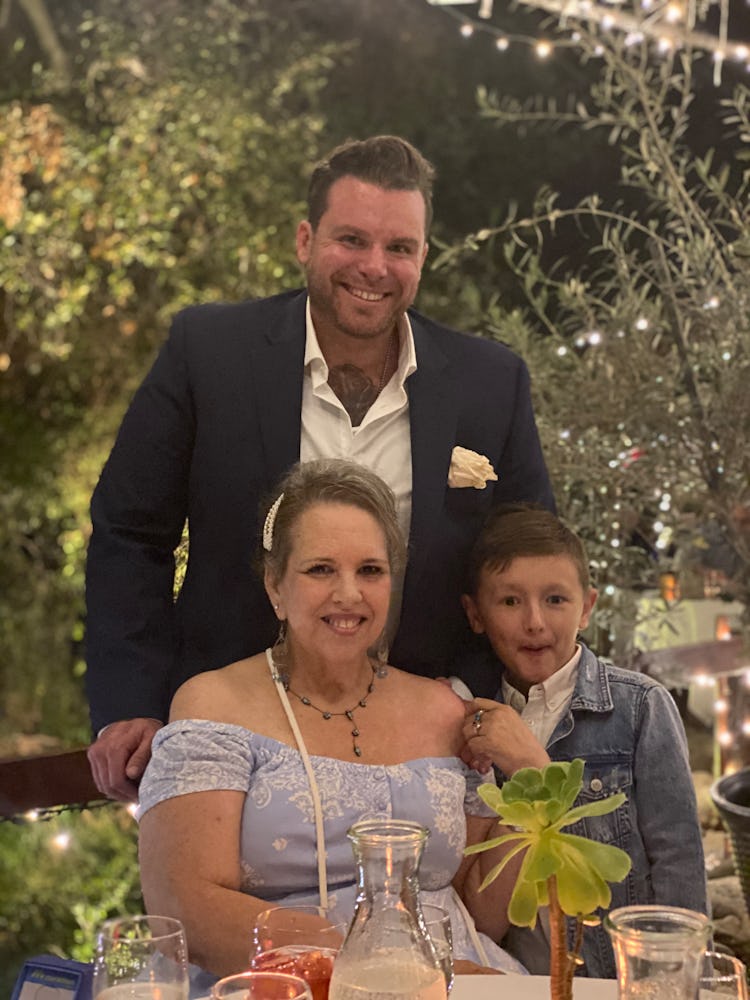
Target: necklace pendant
[[363, 703], [357, 751], [355, 733], [349, 713], [305, 700], [326, 715]]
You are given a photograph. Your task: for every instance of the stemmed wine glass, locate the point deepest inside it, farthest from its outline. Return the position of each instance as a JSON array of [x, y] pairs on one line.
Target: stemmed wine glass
[[302, 940], [141, 958]]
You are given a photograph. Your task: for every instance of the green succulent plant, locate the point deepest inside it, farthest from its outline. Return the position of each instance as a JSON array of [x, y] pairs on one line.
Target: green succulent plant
[[567, 873]]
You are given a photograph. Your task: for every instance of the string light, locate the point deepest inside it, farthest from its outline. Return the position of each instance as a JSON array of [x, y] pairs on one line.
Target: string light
[[704, 680], [671, 25], [673, 13], [61, 841]]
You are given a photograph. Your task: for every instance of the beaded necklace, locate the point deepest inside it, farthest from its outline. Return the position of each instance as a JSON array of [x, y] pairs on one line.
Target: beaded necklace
[[348, 713]]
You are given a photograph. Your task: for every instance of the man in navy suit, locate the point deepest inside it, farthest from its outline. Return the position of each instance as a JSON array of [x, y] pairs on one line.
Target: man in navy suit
[[241, 392]]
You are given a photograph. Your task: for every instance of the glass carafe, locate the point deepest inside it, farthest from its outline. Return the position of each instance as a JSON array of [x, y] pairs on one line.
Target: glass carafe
[[387, 954], [658, 951]]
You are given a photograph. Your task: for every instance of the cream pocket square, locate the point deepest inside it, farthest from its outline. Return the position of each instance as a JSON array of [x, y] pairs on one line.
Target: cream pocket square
[[470, 469]]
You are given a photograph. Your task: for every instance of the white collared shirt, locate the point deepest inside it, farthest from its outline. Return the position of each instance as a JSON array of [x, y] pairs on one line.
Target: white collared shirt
[[547, 702], [382, 441], [541, 711]]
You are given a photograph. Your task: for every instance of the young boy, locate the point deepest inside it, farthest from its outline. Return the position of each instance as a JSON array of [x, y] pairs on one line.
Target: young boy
[[530, 594]]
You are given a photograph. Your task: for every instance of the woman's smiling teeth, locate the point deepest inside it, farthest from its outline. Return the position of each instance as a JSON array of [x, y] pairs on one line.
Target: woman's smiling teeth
[[343, 624]]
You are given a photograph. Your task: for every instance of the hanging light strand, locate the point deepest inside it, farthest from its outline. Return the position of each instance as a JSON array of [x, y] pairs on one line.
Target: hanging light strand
[[671, 24]]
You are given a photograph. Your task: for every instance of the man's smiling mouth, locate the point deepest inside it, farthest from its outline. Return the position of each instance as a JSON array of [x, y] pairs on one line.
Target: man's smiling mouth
[[360, 293]]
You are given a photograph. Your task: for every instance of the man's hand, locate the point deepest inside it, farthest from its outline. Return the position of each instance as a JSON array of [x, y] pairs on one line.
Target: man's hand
[[501, 737], [119, 756]]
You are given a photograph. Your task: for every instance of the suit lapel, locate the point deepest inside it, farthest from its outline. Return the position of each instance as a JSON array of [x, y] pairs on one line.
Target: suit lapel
[[433, 408], [277, 356]]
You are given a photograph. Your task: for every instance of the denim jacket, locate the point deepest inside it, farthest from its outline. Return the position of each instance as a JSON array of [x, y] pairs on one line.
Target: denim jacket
[[627, 729]]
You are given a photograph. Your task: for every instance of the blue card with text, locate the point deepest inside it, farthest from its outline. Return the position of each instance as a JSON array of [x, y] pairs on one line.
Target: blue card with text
[[46, 977]]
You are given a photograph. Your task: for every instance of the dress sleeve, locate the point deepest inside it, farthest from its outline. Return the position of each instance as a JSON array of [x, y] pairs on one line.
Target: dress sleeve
[[195, 755], [473, 805]]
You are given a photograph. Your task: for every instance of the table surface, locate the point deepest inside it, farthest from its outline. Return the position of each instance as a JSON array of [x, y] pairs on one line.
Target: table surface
[[514, 987]]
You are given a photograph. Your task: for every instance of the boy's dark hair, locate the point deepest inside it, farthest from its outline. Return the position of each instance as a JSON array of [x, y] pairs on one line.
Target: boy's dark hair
[[519, 529], [387, 161]]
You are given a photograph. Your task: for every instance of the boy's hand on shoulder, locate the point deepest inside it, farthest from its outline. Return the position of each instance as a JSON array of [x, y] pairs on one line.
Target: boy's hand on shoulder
[[495, 733]]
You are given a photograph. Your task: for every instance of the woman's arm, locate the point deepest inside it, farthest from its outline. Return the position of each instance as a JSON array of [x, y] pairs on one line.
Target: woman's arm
[[489, 908], [189, 853]]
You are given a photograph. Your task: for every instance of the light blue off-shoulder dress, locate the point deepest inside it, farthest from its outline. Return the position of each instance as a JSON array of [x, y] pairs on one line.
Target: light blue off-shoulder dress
[[278, 842]]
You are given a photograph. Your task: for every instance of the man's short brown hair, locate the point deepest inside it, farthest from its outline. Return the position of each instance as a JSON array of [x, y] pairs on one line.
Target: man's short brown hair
[[387, 161]]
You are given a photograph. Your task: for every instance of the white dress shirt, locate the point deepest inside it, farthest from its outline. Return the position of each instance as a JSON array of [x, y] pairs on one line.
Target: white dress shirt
[[546, 702], [382, 441], [541, 711]]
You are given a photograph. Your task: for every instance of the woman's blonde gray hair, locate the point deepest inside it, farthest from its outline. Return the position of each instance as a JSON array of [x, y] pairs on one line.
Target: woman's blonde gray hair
[[328, 480]]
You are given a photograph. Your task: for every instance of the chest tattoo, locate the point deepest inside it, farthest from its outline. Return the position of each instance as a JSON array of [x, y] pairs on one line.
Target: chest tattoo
[[354, 389]]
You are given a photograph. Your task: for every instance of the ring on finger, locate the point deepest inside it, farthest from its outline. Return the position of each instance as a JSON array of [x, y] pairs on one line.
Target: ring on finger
[[478, 721]]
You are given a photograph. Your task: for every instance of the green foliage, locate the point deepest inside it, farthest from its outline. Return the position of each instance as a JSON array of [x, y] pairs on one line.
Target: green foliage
[[55, 897], [637, 327], [538, 804], [168, 170]]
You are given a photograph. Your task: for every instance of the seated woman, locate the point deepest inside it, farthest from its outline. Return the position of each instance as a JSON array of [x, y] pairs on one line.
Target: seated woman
[[266, 763]]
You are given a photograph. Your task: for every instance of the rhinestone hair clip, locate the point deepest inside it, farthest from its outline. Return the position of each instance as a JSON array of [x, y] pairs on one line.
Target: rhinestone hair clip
[[269, 523]]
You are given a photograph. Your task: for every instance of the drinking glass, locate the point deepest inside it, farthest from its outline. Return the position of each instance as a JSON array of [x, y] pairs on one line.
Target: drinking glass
[[261, 986], [438, 924], [658, 950], [302, 940], [722, 976], [141, 958]]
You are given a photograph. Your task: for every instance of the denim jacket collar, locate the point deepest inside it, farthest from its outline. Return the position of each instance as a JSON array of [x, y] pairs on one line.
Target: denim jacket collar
[[591, 693], [592, 690]]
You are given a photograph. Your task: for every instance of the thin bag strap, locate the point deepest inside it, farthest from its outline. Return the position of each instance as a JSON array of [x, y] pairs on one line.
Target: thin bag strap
[[314, 790], [472, 928]]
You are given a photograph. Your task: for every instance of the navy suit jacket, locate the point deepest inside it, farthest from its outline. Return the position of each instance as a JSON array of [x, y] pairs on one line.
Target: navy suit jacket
[[209, 433]]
